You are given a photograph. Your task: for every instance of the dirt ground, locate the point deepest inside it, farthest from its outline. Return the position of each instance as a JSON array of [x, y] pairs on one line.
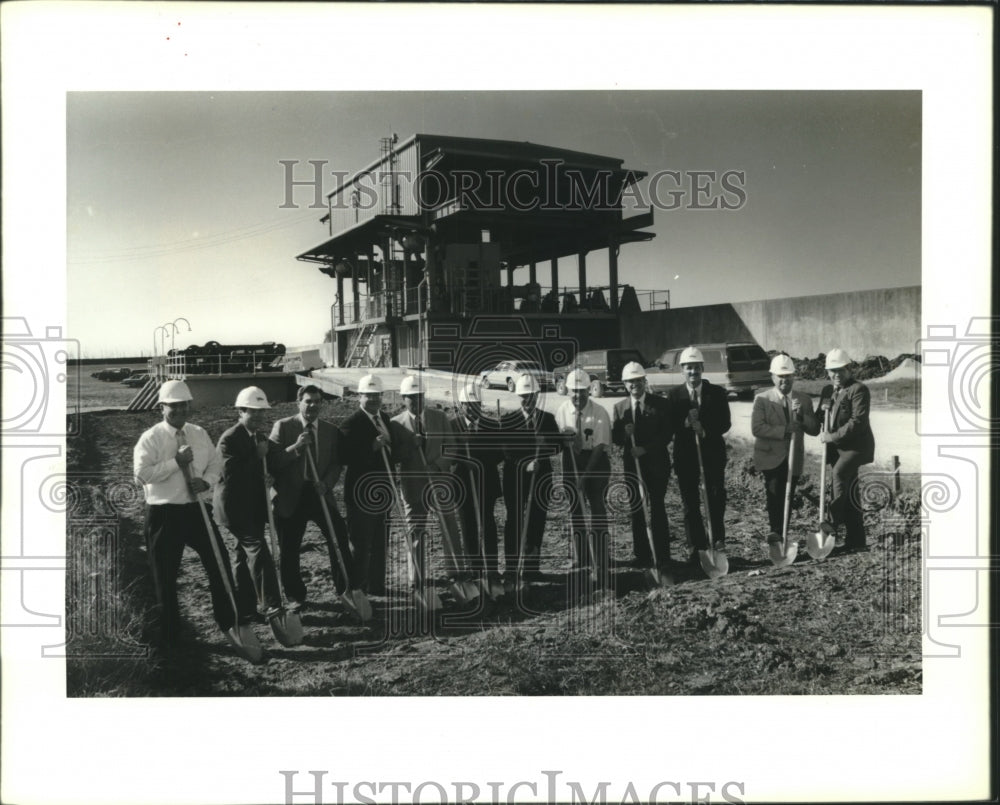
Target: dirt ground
[[847, 624]]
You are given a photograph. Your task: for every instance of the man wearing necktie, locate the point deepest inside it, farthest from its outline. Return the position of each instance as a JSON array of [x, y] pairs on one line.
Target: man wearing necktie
[[173, 518], [421, 436], [643, 418], [586, 428], [298, 492], [699, 406], [367, 485], [847, 403], [777, 414]]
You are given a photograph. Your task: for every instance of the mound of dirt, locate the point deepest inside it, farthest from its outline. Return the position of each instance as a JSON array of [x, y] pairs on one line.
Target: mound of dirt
[[873, 366]]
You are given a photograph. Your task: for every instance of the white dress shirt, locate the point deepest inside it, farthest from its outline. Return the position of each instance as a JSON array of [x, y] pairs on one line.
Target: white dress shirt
[[155, 463], [593, 418]]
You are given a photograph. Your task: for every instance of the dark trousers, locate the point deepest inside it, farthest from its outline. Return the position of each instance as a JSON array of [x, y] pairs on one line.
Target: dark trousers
[[526, 500], [845, 501], [655, 491], [775, 480], [479, 523], [256, 578], [370, 539], [694, 523], [590, 489], [169, 528], [290, 531]]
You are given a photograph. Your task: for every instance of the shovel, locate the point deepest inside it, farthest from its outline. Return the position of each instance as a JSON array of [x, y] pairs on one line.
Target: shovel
[[427, 599], [595, 564], [463, 591], [521, 585], [493, 590], [820, 543], [782, 553], [240, 635], [354, 600], [286, 626], [654, 576], [714, 564]]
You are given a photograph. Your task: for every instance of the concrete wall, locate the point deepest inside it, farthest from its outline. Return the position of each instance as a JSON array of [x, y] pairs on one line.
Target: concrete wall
[[880, 322]]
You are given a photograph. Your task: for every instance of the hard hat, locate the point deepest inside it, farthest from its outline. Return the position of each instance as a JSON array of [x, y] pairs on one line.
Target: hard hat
[[577, 380], [837, 358], [526, 384], [411, 385], [633, 370], [691, 355], [174, 391], [252, 397], [370, 384], [782, 365], [468, 394]]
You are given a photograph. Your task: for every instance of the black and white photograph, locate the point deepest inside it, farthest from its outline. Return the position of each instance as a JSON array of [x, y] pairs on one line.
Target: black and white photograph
[[389, 415]]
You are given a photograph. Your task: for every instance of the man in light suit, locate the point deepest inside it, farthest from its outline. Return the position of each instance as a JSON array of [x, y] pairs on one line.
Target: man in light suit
[[700, 407], [420, 436], [778, 413], [298, 493], [644, 417]]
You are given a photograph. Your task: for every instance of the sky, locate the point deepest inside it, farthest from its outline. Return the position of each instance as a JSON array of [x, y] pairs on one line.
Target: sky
[[175, 199]]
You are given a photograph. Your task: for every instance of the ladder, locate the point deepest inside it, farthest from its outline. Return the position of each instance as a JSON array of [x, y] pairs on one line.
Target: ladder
[[472, 288], [145, 400], [358, 354]]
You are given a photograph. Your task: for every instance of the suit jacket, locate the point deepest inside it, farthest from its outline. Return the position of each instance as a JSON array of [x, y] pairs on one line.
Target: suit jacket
[[849, 423], [519, 438], [289, 470], [715, 419], [437, 434], [241, 500], [482, 439], [767, 423], [652, 432], [359, 433]]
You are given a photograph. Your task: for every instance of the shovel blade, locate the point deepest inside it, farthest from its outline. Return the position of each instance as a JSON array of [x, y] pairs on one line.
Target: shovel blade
[[471, 590], [713, 564], [246, 644], [783, 558], [656, 578], [361, 604], [287, 629], [820, 545]]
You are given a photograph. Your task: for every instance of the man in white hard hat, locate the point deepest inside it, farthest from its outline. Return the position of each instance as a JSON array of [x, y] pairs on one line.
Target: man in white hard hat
[[173, 516], [778, 413], [366, 441], [586, 430], [479, 455], [299, 489], [846, 404], [241, 501], [643, 417], [700, 407], [531, 437], [423, 442]]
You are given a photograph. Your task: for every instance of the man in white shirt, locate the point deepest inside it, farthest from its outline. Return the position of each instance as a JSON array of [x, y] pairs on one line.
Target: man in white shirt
[[586, 467], [173, 518]]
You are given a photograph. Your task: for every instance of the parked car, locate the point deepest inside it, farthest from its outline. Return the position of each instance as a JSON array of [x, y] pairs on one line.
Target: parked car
[[740, 368], [107, 375], [136, 381], [604, 367], [506, 373]]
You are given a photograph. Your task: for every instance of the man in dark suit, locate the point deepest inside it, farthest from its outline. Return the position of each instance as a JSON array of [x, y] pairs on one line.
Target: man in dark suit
[[847, 404], [240, 505], [298, 493], [531, 439], [478, 454], [366, 436], [643, 416], [702, 408]]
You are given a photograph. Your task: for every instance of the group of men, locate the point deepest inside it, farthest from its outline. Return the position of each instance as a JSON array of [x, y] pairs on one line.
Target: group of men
[[440, 472]]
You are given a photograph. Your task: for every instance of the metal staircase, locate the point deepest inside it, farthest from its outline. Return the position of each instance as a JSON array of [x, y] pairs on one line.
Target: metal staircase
[[358, 355]]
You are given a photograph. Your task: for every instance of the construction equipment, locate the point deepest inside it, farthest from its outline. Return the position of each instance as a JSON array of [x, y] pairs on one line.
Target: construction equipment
[[783, 553], [427, 599], [713, 562], [354, 600], [286, 626], [240, 635], [655, 577]]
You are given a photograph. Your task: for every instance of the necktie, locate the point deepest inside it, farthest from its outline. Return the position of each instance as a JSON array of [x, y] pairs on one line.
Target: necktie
[[311, 428], [694, 398], [638, 410], [788, 417], [578, 439]]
